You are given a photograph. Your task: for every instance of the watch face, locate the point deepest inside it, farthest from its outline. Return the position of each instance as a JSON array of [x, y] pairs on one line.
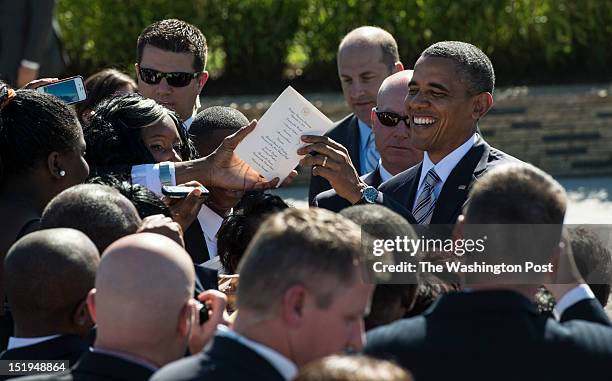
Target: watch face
[[370, 194]]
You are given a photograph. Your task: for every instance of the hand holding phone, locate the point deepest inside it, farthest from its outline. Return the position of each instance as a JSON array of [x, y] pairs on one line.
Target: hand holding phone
[[70, 90]]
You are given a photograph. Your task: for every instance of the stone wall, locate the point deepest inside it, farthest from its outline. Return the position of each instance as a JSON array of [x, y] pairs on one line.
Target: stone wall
[[565, 130]]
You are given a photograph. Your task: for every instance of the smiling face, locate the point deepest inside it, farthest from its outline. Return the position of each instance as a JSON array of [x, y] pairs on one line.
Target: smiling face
[[361, 71], [443, 114], [162, 140], [180, 99], [394, 143]]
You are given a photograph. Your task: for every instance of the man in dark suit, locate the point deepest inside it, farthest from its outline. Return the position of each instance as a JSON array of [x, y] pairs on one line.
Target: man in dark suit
[[144, 319], [493, 330], [392, 136], [29, 44], [366, 56], [47, 275], [451, 89], [302, 296]]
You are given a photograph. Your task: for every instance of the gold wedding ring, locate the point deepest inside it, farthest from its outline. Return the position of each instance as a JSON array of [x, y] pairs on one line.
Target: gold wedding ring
[[324, 161]]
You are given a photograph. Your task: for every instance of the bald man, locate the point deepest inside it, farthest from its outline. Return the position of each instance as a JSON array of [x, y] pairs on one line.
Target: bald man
[[392, 137], [366, 56], [47, 275], [144, 311]]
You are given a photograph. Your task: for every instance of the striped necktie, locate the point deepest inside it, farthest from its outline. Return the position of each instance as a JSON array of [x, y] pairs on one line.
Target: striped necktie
[[371, 155], [423, 209]]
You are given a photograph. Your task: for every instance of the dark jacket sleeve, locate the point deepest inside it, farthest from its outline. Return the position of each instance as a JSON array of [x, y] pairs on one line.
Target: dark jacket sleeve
[[589, 310], [40, 29]]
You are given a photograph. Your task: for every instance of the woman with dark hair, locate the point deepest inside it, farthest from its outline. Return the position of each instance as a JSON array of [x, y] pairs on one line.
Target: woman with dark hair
[[100, 86], [41, 154], [131, 130]]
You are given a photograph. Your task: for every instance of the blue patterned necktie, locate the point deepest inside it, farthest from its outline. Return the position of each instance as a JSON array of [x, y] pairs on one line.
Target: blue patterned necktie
[[371, 155], [423, 209]]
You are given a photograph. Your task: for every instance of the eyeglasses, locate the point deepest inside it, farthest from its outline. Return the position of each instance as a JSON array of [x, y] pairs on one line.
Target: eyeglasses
[[390, 119], [178, 79]]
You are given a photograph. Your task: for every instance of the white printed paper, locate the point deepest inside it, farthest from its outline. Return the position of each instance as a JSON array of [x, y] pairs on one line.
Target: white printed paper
[[271, 149]]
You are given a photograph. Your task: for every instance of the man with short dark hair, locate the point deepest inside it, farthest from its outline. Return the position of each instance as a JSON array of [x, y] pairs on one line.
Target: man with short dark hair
[[366, 56], [210, 126], [450, 91], [171, 65], [302, 295], [493, 329], [48, 274]]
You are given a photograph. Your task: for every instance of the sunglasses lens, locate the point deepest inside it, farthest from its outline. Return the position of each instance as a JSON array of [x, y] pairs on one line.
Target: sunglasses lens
[[179, 79], [152, 77], [388, 118]]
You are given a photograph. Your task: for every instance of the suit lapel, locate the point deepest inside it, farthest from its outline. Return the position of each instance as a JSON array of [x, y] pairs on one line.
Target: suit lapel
[[457, 186], [373, 178]]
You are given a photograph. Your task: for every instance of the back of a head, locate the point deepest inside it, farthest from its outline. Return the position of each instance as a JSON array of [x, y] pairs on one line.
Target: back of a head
[[47, 273], [212, 125], [315, 248], [379, 221], [373, 36], [33, 125], [146, 202], [102, 85], [238, 229], [175, 36], [142, 283], [352, 368], [99, 211], [113, 134], [593, 261]]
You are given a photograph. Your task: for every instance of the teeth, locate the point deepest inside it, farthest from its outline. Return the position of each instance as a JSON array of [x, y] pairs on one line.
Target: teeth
[[423, 120]]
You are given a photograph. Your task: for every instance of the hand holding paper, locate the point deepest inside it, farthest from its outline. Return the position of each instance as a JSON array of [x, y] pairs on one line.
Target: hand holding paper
[[271, 149]]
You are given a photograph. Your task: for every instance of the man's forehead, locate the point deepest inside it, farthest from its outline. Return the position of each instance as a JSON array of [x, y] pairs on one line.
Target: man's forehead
[[391, 98], [166, 61], [361, 58]]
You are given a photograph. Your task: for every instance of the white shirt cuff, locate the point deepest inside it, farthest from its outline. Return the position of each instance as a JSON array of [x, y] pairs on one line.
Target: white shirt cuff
[[147, 175], [575, 295], [30, 64]]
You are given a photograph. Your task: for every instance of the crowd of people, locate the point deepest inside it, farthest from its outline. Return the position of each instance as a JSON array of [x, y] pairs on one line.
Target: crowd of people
[[101, 269]]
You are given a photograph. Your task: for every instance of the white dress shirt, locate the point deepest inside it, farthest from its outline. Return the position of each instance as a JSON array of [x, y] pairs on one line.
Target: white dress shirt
[[284, 366], [575, 295], [187, 123], [18, 342], [384, 174], [147, 175], [444, 167]]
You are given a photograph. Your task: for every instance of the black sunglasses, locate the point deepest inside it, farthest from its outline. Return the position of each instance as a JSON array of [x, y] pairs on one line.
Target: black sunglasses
[[153, 77], [391, 119]]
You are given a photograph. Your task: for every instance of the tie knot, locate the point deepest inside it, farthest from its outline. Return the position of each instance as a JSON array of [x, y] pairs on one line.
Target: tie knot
[[432, 178]]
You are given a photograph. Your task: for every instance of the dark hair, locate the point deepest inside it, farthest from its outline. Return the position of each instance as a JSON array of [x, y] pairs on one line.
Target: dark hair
[[471, 63], [146, 202], [99, 211], [32, 125], [175, 36], [113, 134], [240, 226], [211, 120], [101, 85], [593, 261]]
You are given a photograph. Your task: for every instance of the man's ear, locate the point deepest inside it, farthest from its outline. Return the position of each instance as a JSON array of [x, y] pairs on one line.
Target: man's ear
[[203, 80], [54, 165], [482, 104], [81, 317], [458, 230], [91, 304], [185, 320], [397, 67], [293, 305]]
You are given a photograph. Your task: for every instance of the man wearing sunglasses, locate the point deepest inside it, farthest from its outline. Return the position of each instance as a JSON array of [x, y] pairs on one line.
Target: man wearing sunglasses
[[391, 128], [171, 63], [366, 56]]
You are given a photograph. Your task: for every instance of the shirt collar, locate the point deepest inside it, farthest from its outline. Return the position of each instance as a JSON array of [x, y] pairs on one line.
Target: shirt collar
[[126, 357], [384, 174], [445, 166], [210, 221], [284, 366], [187, 123], [18, 342], [364, 133]]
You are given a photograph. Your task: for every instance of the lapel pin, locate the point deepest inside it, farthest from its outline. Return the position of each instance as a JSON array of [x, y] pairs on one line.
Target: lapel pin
[[461, 187]]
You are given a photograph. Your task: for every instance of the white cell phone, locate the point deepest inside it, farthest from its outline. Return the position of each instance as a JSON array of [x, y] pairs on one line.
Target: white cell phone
[[70, 90]]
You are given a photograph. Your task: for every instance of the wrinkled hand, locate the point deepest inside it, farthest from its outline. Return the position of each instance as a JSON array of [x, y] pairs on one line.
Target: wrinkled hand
[[566, 276], [33, 85], [25, 75], [227, 170], [338, 169], [201, 334], [185, 211], [163, 225]]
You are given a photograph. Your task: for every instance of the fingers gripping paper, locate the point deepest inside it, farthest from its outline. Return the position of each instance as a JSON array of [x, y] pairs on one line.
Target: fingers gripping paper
[[271, 149]]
